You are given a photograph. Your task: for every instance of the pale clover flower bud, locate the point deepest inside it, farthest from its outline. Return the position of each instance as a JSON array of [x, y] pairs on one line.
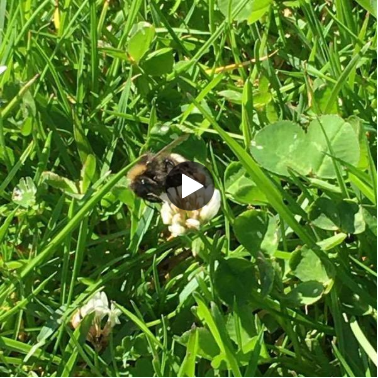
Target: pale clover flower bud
[[177, 229], [182, 221], [193, 223]]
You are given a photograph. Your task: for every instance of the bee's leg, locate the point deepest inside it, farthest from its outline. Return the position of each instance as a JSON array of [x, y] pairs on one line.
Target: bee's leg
[[153, 197], [148, 204], [169, 164]]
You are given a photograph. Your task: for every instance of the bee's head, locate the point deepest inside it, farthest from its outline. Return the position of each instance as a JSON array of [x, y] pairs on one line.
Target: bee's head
[[146, 188]]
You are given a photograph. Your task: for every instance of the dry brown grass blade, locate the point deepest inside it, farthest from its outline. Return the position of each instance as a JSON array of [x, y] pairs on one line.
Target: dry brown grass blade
[[234, 66]]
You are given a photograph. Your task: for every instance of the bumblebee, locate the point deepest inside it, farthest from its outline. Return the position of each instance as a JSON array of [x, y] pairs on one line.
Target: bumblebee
[[147, 177]]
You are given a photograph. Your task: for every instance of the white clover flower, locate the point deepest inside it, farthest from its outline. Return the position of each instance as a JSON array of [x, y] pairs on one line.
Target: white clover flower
[[99, 305], [193, 223], [2, 69], [210, 210], [176, 229], [181, 221], [114, 314]]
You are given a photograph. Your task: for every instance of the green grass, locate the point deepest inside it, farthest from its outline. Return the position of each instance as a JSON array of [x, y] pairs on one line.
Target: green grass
[[282, 281]]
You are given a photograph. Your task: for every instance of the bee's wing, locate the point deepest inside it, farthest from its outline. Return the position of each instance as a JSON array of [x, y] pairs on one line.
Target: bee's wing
[[172, 145]]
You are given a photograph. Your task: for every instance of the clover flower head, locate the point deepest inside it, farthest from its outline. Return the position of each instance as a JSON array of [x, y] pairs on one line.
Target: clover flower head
[[182, 221], [24, 194], [99, 305]]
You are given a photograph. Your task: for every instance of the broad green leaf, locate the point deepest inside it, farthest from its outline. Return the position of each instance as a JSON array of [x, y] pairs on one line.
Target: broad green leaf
[[241, 328], [140, 344], [27, 126], [324, 214], [369, 5], [270, 241], [332, 242], [259, 99], [234, 280], [321, 96], [24, 193], [141, 36], [259, 8], [332, 215], [280, 146], [357, 125], [159, 62], [59, 182], [251, 229], [342, 138], [351, 218], [5, 111], [207, 347], [306, 293], [123, 193], [232, 96], [307, 266], [240, 186], [370, 219], [219, 362], [252, 11], [240, 325], [113, 52], [143, 367], [285, 145], [267, 274]]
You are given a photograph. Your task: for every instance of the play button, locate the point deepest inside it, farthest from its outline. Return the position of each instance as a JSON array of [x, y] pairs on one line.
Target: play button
[[189, 186]]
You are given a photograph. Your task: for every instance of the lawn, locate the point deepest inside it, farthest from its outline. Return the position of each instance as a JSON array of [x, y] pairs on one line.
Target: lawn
[[277, 99]]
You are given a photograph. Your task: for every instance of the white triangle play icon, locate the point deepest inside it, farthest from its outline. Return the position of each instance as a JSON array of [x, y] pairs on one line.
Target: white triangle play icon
[[189, 186]]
